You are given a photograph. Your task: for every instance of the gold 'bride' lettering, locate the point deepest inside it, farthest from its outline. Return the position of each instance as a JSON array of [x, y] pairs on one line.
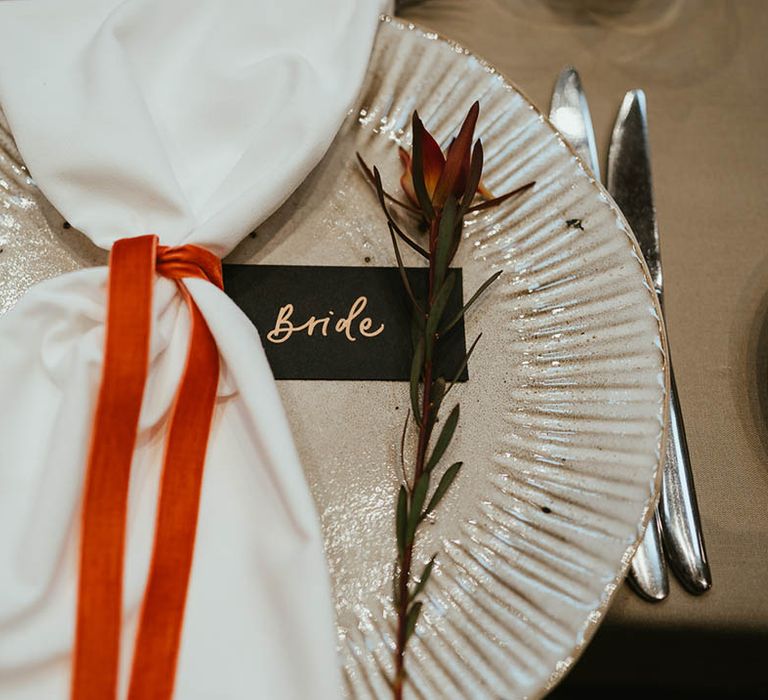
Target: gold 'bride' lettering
[[284, 327]]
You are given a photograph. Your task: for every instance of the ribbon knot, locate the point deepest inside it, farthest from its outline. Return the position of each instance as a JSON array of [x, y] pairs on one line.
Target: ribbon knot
[[176, 263], [133, 264]]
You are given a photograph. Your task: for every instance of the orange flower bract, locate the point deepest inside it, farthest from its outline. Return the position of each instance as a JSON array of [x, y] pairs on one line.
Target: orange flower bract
[[444, 174]]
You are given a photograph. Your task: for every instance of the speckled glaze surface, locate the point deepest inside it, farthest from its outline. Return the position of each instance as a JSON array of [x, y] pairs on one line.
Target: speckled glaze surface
[[562, 419]]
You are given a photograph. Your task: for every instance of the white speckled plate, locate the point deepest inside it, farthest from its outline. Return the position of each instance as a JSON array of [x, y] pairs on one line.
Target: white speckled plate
[[561, 421]]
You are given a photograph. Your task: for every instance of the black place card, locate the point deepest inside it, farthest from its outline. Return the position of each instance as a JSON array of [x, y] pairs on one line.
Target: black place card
[[339, 322]]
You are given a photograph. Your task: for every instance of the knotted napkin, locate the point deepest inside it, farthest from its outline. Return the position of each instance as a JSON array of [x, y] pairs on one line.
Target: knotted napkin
[[157, 537]]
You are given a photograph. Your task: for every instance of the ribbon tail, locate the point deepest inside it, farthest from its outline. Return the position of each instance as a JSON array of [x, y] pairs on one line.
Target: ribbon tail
[[160, 627], [126, 358]]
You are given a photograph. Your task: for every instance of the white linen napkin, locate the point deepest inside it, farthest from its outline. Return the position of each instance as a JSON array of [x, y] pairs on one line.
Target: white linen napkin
[[194, 121]]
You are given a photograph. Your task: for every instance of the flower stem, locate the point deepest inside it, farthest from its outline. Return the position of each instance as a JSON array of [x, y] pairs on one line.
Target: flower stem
[[425, 431]]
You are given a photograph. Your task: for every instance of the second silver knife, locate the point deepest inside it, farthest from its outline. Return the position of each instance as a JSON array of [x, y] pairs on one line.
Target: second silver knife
[[629, 182]]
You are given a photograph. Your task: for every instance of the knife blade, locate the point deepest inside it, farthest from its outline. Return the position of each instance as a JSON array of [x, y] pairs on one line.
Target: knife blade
[[569, 112], [629, 182]]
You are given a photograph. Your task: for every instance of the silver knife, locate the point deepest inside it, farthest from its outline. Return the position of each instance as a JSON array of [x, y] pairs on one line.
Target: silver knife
[[569, 112], [629, 182]]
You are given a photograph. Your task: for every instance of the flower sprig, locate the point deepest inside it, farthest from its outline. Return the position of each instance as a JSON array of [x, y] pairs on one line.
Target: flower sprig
[[441, 189]]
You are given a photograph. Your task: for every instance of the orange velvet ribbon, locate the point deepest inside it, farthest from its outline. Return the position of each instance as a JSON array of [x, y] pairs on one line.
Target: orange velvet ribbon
[[133, 264]]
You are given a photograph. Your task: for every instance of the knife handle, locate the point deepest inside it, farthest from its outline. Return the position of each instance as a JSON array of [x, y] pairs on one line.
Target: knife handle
[[681, 525], [648, 572]]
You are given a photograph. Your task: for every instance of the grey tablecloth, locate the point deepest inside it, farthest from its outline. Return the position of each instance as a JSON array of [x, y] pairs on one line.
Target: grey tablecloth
[[703, 66]]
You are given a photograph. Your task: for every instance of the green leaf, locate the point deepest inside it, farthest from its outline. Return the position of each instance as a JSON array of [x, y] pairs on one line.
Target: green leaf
[[417, 168], [443, 486], [424, 577], [405, 238], [464, 363], [436, 399], [392, 223], [396, 586], [370, 176], [411, 619], [446, 435], [445, 240], [402, 442], [487, 204], [436, 313], [440, 302], [417, 329], [474, 298], [417, 503], [475, 173], [401, 520], [403, 274], [416, 365]]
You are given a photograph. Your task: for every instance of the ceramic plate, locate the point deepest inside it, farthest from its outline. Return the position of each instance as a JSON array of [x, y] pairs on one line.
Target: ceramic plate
[[561, 420]]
